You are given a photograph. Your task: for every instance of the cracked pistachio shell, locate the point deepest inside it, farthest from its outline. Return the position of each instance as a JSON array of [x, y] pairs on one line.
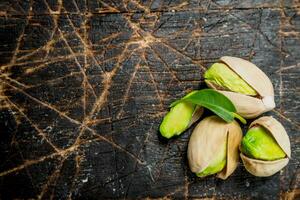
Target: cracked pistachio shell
[[265, 168], [206, 141], [248, 106], [179, 118]]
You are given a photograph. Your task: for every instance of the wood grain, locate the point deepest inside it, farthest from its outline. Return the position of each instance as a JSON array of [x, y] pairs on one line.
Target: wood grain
[[84, 85]]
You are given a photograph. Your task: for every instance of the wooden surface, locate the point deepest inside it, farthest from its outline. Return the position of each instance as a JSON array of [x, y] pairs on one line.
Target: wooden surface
[[84, 85]]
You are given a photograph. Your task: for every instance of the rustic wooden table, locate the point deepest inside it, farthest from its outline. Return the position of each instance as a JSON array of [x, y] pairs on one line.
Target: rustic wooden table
[[84, 85]]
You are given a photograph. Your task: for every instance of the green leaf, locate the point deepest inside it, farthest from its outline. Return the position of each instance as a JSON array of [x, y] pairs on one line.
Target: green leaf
[[214, 101]]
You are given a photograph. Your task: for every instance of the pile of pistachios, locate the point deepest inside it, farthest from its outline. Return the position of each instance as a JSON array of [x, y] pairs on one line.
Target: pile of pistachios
[[240, 90]]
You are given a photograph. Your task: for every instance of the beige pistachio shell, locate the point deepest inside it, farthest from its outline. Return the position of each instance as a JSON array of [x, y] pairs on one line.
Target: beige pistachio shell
[[234, 137], [249, 72], [206, 140], [196, 115], [268, 168], [263, 168], [247, 106]]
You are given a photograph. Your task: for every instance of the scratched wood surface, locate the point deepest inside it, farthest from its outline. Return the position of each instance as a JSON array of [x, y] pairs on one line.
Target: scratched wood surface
[[84, 85]]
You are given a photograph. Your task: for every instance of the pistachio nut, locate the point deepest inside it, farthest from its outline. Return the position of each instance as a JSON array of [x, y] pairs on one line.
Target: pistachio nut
[[265, 149], [213, 147], [249, 88], [179, 118]]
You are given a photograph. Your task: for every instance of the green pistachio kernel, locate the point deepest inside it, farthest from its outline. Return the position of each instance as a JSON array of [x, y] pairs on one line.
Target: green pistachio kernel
[[221, 75], [177, 120], [258, 143]]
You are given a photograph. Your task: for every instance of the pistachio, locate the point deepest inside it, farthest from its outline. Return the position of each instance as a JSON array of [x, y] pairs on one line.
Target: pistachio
[[221, 75], [265, 149], [217, 163], [213, 147], [180, 118], [250, 90], [260, 144]]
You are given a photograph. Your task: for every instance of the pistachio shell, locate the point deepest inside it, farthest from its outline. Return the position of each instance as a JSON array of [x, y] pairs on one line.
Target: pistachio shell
[[205, 142], [268, 168], [196, 115], [249, 106], [234, 138], [263, 168], [251, 74], [216, 164]]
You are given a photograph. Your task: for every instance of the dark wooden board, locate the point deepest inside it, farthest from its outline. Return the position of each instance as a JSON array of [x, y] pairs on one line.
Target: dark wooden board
[[84, 85]]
